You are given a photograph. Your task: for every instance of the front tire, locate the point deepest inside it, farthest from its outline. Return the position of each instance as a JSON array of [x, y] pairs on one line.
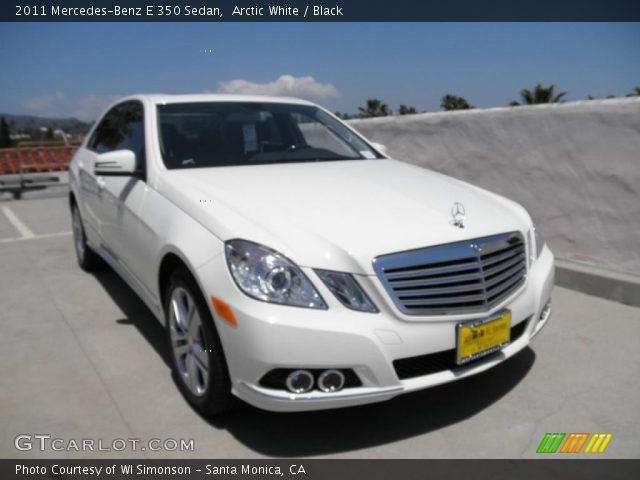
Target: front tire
[[197, 359], [88, 260]]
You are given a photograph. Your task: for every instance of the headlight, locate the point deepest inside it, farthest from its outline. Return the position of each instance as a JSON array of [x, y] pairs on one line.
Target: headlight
[[347, 290], [267, 275]]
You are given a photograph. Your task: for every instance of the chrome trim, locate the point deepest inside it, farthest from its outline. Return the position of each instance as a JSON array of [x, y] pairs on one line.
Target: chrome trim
[[474, 323], [543, 318], [315, 396], [469, 276]]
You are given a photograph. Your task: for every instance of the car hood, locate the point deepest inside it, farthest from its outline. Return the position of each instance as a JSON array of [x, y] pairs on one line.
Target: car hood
[[338, 215]]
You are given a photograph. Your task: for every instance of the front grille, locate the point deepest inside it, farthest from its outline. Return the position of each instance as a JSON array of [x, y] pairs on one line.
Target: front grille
[[473, 275], [440, 361]]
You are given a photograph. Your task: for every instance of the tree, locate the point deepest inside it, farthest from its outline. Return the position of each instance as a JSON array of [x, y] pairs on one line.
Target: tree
[[635, 92], [406, 110], [453, 102], [540, 94], [5, 134], [343, 116], [374, 108]]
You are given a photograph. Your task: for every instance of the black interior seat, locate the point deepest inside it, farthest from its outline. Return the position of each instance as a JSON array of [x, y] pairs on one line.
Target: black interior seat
[[210, 147], [176, 148]]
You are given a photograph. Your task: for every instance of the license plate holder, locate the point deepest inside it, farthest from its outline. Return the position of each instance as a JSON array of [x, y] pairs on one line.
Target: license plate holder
[[478, 338]]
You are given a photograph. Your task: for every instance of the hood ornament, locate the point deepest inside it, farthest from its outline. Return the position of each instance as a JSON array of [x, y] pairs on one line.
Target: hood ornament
[[458, 213]]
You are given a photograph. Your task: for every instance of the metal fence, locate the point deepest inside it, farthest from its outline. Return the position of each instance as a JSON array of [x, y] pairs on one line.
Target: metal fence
[[24, 160], [25, 168]]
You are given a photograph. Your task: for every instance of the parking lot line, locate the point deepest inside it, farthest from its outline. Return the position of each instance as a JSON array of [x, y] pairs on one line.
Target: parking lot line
[[17, 223], [33, 237]]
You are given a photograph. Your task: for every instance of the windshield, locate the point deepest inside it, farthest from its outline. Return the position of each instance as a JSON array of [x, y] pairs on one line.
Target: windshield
[[217, 134]]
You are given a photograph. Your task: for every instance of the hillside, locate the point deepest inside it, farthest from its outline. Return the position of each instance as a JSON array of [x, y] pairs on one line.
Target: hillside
[[32, 124]]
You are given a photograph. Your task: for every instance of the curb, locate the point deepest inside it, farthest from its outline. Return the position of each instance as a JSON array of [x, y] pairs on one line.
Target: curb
[[599, 282]]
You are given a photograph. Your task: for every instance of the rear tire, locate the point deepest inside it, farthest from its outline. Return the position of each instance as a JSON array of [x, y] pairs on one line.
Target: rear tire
[[197, 358], [88, 260]]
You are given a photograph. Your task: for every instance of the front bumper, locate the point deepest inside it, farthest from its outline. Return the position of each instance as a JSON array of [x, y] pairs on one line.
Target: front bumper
[[269, 336]]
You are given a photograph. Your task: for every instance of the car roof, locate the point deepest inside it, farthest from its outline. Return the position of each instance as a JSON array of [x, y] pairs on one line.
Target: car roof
[[160, 99]]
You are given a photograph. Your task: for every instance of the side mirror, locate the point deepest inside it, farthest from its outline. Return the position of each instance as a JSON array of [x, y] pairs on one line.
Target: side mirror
[[379, 147], [119, 163]]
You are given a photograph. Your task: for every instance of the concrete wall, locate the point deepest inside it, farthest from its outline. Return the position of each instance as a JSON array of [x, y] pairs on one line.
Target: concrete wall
[[574, 166]]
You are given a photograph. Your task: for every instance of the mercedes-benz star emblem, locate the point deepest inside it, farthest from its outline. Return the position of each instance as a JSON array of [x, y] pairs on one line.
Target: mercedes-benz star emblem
[[458, 214]]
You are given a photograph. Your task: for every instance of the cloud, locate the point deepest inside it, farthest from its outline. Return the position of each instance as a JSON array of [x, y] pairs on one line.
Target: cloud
[[87, 108], [285, 85], [45, 104], [92, 106]]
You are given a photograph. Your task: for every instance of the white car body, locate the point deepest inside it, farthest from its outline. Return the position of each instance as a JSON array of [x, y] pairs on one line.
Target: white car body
[[336, 216]]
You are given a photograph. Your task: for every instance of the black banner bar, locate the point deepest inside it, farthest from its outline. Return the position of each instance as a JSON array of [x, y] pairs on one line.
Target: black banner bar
[[319, 11], [584, 469]]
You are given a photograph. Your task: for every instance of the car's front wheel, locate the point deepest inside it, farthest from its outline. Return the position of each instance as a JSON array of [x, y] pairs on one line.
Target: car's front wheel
[[196, 352], [87, 258]]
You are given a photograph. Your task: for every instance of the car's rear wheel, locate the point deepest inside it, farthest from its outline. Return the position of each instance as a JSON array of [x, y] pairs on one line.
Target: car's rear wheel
[[87, 258], [196, 352]]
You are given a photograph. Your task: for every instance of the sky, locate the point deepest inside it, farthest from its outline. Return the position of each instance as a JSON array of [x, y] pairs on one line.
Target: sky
[[69, 69]]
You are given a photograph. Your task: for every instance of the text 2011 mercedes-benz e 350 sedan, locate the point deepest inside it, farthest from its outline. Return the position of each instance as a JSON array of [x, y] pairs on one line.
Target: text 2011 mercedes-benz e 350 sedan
[[292, 262]]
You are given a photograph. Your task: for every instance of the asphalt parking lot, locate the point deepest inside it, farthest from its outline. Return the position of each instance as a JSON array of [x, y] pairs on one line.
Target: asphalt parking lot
[[82, 357]]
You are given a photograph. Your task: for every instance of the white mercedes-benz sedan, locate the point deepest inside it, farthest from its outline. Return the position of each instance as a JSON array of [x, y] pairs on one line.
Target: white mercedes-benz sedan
[[293, 263]]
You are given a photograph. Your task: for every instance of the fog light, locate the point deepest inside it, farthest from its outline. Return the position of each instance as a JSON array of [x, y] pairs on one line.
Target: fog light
[[299, 381], [331, 381]]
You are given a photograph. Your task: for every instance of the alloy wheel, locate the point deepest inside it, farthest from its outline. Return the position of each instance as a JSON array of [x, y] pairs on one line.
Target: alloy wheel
[[187, 341]]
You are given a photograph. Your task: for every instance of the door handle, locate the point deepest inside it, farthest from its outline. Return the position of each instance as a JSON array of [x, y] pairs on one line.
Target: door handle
[[101, 183]]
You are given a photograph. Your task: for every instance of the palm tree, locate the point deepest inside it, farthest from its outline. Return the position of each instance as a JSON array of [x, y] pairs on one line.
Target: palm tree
[[374, 108], [453, 102], [635, 92], [540, 94], [343, 116], [405, 110]]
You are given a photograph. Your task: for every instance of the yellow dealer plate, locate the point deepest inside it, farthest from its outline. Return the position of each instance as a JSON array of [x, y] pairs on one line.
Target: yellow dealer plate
[[482, 337]]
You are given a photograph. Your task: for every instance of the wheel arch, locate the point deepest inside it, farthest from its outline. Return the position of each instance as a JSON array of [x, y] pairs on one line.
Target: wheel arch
[[220, 398], [171, 261]]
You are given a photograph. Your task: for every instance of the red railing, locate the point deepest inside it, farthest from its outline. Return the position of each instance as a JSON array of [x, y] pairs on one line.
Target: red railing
[[35, 159]]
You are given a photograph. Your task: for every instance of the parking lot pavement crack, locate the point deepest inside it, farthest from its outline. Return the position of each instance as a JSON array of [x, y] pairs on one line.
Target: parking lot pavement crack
[[88, 358]]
